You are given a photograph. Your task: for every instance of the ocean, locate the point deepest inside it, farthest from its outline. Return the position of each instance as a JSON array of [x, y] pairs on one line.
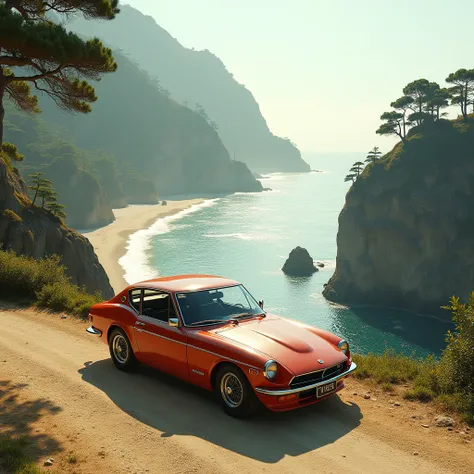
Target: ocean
[[247, 237]]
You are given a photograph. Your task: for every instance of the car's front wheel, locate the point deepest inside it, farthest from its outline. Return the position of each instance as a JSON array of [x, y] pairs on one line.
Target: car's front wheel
[[121, 351], [235, 392]]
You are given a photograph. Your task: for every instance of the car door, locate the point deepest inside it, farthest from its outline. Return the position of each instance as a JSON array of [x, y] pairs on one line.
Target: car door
[[161, 346]]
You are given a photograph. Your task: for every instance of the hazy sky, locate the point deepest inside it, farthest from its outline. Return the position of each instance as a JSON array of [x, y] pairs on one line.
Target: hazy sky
[[324, 71]]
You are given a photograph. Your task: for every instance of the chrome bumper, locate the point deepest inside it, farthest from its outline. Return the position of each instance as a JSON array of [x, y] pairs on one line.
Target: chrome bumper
[[93, 330], [289, 391]]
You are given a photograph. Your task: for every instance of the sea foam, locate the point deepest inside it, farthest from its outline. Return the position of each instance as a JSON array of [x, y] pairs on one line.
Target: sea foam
[[135, 262]]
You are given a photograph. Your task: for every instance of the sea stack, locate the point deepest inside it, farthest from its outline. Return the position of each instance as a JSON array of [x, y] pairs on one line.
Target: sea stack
[[299, 263]]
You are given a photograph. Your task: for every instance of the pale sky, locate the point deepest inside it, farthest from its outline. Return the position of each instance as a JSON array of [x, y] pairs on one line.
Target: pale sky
[[324, 71]]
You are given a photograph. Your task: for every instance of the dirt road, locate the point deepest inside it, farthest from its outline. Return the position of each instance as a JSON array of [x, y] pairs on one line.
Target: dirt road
[[59, 385]]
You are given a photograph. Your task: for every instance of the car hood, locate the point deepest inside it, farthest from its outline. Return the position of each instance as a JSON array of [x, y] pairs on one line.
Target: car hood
[[288, 343]]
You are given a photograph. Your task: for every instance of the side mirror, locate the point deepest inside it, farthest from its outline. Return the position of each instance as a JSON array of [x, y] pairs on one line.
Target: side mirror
[[260, 303], [173, 322]]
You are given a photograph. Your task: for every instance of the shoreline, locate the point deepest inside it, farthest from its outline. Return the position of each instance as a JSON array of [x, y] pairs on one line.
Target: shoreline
[[110, 242]]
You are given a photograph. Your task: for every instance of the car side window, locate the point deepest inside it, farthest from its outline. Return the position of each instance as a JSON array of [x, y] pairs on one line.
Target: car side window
[[135, 298], [157, 305]]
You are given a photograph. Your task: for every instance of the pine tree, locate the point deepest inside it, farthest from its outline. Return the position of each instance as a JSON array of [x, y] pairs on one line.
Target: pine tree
[[38, 185], [42, 190], [35, 52], [373, 155]]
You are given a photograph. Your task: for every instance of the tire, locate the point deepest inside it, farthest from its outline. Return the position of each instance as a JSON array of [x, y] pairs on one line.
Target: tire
[[121, 351], [235, 393]]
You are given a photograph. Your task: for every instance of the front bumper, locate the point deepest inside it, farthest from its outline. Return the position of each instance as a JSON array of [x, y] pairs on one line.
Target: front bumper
[[93, 330], [290, 391]]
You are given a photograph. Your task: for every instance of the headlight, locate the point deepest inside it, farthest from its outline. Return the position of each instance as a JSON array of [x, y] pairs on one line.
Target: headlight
[[343, 346], [271, 369]]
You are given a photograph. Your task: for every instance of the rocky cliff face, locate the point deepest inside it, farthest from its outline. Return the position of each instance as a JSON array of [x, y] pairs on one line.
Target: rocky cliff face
[[31, 231], [406, 231], [199, 77]]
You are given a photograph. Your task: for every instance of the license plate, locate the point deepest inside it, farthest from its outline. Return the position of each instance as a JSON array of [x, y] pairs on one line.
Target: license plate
[[324, 390]]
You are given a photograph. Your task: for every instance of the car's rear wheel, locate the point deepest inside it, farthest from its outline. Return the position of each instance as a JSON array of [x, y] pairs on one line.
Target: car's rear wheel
[[121, 351], [235, 393]]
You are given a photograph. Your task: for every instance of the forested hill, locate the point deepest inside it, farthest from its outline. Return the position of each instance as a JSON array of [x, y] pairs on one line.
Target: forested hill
[[135, 145], [201, 81]]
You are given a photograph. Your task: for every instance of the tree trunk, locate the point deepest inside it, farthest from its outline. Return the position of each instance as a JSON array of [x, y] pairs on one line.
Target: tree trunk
[[2, 108]]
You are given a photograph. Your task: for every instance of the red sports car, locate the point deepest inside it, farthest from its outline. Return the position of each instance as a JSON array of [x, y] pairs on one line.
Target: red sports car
[[211, 332]]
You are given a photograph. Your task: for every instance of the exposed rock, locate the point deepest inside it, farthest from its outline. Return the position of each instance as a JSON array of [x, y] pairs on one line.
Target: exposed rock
[[320, 264], [299, 263], [49, 462], [405, 233], [367, 396], [444, 421], [39, 234]]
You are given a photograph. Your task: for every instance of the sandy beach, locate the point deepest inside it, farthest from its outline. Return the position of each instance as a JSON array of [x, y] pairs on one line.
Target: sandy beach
[[110, 241]]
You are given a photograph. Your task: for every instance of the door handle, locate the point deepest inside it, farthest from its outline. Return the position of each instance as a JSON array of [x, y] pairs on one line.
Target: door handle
[[138, 323]]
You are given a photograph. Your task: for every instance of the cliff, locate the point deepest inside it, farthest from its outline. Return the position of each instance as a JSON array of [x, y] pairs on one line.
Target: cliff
[[153, 138], [199, 77], [86, 182], [32, 231], [406, 231]]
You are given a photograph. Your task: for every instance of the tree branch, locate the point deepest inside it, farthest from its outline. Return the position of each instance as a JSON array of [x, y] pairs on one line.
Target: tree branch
[[35, 77]]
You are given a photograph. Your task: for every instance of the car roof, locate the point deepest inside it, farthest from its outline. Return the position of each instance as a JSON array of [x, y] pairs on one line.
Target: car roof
[[186, 283]]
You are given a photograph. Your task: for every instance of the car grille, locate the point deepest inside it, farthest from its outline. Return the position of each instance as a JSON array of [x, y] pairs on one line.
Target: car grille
[[317, 376]]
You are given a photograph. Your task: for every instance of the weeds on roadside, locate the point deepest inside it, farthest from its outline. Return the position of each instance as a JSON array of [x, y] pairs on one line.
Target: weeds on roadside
[[42, 282], [448, 381]]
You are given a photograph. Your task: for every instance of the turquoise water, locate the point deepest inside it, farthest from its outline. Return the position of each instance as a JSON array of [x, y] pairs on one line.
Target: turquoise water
[[248, 237]]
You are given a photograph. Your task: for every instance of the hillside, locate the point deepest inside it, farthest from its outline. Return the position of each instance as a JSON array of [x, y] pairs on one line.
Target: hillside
[[153, 138], [86, 182], [198, 77], [31, 231], [406, 230]]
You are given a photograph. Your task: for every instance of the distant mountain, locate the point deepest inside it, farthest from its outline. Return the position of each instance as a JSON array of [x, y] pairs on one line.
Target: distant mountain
[[152, 138], [135, 145], [198, 79]]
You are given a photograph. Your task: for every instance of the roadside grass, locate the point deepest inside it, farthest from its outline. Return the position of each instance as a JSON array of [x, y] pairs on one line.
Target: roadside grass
[[42, 282], [13, 456], [448, 382]]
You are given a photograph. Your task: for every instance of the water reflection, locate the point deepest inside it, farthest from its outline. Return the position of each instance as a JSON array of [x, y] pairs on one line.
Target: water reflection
[[376, 329]]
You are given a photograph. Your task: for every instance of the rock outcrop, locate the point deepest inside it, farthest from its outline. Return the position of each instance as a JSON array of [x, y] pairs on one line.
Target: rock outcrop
[[406, 231], [299, 263], [32, 231]]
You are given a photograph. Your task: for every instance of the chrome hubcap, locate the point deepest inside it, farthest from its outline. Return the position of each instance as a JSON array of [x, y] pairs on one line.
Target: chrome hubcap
[[231, 390], [120, 348]]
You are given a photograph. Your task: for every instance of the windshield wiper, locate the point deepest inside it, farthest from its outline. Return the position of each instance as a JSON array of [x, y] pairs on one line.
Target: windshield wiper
[[245, 315], [208, 321]]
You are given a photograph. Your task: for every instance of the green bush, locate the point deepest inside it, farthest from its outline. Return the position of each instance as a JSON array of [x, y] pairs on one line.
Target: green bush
[[388, 368], [455, 372], [13, 458], [448, 381], [42, 282]]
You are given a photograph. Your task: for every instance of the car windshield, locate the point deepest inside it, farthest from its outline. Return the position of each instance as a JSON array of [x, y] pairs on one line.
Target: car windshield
[[217, 305]]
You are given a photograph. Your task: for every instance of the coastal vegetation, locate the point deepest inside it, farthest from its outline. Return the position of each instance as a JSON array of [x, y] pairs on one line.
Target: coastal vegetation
[[42, 189], [43, 283], [448, 381]]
